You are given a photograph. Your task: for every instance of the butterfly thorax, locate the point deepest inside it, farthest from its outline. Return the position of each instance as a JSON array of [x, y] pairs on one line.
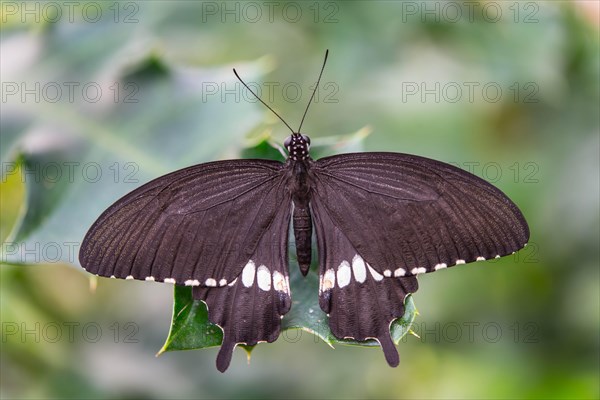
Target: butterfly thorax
[[299, 188]]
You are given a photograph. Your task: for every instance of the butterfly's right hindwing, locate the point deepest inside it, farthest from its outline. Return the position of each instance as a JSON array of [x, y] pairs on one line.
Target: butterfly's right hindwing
[[249, 309], [220, 227]]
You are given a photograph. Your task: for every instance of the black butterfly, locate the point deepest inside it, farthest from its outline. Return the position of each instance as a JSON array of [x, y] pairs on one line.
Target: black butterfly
[[380, 220]]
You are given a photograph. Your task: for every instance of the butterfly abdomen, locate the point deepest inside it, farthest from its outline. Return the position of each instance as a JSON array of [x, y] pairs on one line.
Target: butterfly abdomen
[[300, 190], [303, 236]]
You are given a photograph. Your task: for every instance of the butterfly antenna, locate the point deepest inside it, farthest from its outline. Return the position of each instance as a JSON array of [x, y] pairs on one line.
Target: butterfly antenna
[[315, 91], [259, 99]]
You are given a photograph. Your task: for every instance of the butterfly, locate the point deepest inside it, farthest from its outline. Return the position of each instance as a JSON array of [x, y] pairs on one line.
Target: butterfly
[[380, 220]]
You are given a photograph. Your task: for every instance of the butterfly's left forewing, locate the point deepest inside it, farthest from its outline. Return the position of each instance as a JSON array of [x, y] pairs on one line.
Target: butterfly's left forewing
[[383, 218], [409, 215]]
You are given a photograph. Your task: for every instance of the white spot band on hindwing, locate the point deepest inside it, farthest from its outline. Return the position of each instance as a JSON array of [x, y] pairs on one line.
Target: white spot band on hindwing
[[210, 282], [359, 269], [328, 280], [263, 278], [440, 266], [279, 282], [419, 270], [344, 274], [376, 275], [248, 274]]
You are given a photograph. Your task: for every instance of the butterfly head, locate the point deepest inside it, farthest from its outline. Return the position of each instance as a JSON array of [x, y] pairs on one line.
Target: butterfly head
[[298, 146]]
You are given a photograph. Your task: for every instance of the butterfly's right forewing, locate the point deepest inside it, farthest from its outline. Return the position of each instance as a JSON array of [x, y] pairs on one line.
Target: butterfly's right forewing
[[197, 226], [220, 227]]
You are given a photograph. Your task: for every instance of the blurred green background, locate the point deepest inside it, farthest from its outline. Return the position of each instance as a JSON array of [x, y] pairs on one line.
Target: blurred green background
[[100, 97]]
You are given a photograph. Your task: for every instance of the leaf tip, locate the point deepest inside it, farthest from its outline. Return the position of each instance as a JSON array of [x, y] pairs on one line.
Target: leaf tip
[[162, 350], [93, 283]]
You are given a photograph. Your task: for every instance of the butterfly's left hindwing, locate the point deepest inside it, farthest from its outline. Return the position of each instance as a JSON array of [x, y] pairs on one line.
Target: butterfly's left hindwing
[[383, 218], [361, 303]]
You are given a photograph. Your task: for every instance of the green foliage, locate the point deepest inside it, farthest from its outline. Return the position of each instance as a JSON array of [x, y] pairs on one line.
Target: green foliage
[[83, 165], [190, 327]]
